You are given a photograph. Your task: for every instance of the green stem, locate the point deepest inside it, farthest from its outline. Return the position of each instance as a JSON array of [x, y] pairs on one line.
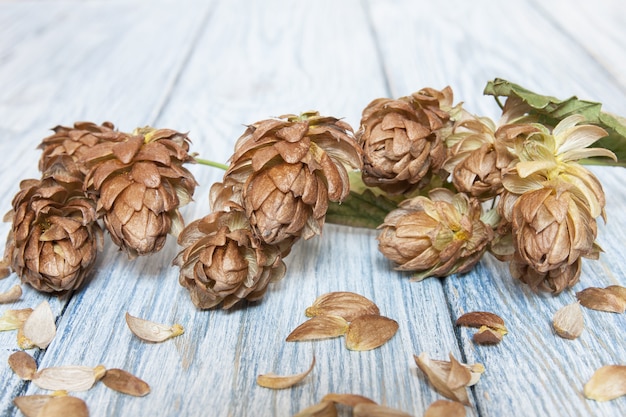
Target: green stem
[[211, 163]]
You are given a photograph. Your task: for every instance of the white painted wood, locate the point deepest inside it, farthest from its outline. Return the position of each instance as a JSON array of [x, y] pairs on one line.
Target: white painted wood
[[211, 68]]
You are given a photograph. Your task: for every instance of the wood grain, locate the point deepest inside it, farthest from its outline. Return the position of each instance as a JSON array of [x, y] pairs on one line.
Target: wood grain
[[210, 68]]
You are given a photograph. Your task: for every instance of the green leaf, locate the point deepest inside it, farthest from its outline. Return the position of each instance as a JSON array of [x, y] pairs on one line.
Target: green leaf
[[551, 110], [364, 209]]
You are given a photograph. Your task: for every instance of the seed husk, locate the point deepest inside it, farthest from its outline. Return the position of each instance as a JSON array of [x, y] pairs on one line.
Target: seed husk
[[479, 319], [350, 400], [23, 365], [607, 383], [125, 382], [369, 332], [11, 295], [150, 331], [445, 408], [438, 374], [487, 336], [346, 304], [568, 321], [601, 299], [319, 327], [274, 381], [375, 410], [68, 378], [322, 409], [31, 405], [39, 328], [14, 319], [65, 406]]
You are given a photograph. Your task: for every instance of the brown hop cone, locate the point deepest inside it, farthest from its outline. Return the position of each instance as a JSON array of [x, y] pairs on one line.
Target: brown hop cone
[[435, 236], [284, 171], [402, 140], [75, 141], [54, 238], [141, 183], [222, 261], [552, 228], [554, 281]]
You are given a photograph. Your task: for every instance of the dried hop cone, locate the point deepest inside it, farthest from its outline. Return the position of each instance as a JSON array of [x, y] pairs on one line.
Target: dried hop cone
[[284, 171], [141, 183], [75, 141], [435, 236], [54, 238], [402, 140], [224, 262]]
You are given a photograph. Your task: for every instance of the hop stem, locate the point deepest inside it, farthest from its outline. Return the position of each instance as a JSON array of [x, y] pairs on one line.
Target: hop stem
[[211, 163]]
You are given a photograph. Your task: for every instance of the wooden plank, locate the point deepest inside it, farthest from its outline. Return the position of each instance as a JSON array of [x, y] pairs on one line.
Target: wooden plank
[[63, 62], [532, 372], [274, 59]]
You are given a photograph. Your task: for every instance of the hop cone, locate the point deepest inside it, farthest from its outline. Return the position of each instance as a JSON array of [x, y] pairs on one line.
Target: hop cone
[[402, 140], [284, 171], [74, 142], [54, 238], [141, 183], [435, 236], [222, 261]]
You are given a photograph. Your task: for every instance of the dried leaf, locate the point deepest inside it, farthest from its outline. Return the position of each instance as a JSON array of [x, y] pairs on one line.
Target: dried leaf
[[14, 319], [69, 378], [319, 327], [274, 381], [601, 299], [11, 295], [39, 328], [151, 331], [568, 321], [344, 304], [125, 382], [323, 409], [487, 336], [438, 373], [445, 408], [369, 332], [375, 410], [479, 319], [23, 365], [66, 406], [350, 400], [607, 383], [31, 405]]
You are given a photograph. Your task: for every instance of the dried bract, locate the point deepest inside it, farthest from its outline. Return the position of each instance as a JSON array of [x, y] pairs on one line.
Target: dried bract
[[39, 328], [351, 400], [14, 319], [274, 381], [607, 383], [618, 290], [345, 304], [23, 365], [320, 327], [568, 321], [487, 336], [11, 295], [64, 406], [150, 331], [68, 378], [369, 332], [125, 382], [323, 409], [601, 299], [31, 405], [445, 408], [479, 319], [375, 410]]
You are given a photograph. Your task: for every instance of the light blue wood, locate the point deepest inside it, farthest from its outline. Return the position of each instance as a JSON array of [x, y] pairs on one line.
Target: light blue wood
[[209, 68]]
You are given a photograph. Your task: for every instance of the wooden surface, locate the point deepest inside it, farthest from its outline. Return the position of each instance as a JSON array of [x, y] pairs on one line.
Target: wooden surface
[[209, 68]]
